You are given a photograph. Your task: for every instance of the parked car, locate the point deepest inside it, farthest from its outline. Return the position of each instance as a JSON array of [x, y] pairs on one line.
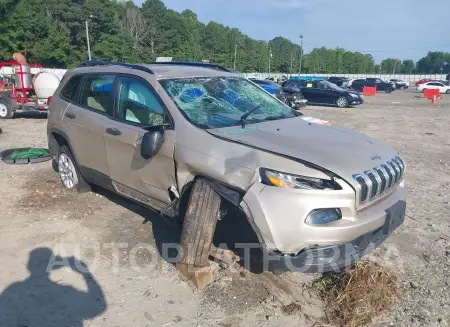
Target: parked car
[[267, 85], [339, 81], [381, 85], [434, 85], [399, 84], [293, 97], [195, 136], [422, 81], [324, 92]]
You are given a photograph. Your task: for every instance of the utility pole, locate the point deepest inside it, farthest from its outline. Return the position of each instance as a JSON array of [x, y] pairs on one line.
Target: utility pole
[[270, 58], [235, 54], [301, 55], [87, 38], [395, 64], [292, 63]]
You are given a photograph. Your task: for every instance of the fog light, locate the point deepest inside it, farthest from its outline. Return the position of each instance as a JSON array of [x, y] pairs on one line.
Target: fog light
[[323, 216]]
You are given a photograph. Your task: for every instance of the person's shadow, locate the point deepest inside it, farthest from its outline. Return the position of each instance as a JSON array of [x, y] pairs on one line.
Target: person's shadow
[[39, 302]]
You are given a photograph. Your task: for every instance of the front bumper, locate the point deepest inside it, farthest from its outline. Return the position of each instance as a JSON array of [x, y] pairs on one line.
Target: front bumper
[[333, 258], [299, 104], [278, 216], [355, 101]]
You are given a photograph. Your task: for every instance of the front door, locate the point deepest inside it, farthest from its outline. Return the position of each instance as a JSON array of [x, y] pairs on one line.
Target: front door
[[137, 110], [84, 119]]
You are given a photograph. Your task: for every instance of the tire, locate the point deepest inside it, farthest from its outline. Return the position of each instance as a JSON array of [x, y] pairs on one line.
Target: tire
[[447, 92], [342, 102], [6, 111], [388, 90], [402, 87], [69, 173], [199, 224]]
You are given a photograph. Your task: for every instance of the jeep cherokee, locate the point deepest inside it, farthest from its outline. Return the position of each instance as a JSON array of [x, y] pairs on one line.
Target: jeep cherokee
[[317, 195]]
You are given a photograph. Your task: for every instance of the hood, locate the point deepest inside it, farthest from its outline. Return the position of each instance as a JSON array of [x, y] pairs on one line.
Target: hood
[[333, 148]]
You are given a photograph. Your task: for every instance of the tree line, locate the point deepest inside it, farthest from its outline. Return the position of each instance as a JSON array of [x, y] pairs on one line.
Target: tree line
[[53, 33]]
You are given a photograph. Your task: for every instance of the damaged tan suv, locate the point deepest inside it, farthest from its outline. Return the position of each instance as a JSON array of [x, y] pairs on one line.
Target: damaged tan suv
[[318, 196]]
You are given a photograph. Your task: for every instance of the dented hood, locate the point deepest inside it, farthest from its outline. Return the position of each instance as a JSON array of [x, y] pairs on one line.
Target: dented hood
[[339, 150]]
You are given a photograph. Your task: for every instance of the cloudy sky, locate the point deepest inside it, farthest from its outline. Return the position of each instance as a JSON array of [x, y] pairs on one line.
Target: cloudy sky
[[404, 29]]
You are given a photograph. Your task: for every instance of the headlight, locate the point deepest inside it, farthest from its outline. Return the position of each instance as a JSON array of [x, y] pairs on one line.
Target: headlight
[[353, 95], [279, 179]]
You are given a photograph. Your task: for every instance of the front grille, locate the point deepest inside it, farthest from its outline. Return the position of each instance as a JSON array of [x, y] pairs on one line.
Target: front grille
[[375, 182]]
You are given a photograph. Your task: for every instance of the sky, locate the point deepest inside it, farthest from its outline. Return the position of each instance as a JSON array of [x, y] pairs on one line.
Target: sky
[[403, 29]]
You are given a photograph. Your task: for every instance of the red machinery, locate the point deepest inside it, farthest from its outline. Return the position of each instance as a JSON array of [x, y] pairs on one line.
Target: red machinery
[[16, 89]]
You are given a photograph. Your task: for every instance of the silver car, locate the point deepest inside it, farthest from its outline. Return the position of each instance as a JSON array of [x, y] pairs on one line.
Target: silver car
[[317, 195]]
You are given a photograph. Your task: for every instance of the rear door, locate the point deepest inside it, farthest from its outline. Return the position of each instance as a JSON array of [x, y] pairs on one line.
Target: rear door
[[442, 88], [325, 94], [310, 92], [433, 86], [84, 120], [137, 110]]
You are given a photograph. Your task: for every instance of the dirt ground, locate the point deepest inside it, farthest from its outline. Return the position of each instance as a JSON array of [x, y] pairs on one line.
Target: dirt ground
[[128, 282]]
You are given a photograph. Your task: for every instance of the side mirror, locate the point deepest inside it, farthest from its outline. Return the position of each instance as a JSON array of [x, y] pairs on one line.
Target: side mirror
[[151, 143]]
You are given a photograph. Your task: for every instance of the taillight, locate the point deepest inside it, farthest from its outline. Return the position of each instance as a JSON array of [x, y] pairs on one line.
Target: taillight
[[48, 100]]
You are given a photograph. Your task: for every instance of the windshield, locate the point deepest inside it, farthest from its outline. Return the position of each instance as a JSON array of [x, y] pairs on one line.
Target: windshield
[[222, 101]]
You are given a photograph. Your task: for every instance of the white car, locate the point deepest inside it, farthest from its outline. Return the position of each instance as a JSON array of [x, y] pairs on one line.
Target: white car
[[434, 85], [399, 84]]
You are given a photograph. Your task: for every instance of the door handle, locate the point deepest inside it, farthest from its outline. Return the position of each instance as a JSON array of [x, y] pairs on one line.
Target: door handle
[[113, 131], [70, 115]]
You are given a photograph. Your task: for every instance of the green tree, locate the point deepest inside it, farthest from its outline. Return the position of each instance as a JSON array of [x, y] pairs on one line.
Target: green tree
[[434, 63], [390, 66], [407, 67]]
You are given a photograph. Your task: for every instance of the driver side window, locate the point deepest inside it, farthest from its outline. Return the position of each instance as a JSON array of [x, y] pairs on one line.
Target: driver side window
[[137, 103]]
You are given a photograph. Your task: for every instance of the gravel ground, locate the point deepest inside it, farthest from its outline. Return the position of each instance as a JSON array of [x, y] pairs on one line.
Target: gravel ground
[[128, 282]]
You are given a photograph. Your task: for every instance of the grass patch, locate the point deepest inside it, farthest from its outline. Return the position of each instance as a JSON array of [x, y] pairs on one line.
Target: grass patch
[[356, 295]]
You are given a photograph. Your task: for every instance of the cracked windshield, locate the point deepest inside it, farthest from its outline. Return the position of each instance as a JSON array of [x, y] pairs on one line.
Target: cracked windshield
[[224, 101]]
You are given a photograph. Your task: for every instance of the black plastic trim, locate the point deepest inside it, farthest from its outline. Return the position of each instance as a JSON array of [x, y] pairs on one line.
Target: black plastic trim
[[196, 64], [96, 177]]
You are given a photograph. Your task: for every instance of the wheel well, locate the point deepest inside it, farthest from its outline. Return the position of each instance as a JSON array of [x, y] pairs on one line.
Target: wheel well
[[61, 140], [225, 192]]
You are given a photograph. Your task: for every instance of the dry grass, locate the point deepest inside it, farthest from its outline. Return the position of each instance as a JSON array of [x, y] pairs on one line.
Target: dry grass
[[356, 295]]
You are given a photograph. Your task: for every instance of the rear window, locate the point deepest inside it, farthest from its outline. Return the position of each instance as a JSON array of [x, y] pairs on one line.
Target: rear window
[[70, 89], [96, 91]]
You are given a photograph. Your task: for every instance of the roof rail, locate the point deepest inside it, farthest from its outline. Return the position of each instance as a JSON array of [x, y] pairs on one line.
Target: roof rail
[[93, 63], [194, 64]]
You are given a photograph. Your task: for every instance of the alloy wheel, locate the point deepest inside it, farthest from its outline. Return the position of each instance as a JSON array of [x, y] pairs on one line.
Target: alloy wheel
[[67, 172], [342, 102]]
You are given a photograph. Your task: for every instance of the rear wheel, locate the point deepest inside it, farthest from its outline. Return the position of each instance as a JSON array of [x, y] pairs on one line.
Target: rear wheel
[[6, 111], [402, 87], [388, 90], [342, 102], [69, 173], [448, 92]]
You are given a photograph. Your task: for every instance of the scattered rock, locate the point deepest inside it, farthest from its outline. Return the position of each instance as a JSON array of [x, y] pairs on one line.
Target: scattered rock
[[413, 285], [292, 308]]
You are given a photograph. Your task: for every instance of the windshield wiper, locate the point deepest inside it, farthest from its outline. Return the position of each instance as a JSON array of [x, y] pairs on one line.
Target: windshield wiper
[[275, 117], [248, 113]]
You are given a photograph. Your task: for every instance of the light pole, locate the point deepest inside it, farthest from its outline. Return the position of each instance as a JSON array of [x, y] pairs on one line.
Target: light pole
[[87, 38], [236, 43], [301, 55], [270, 58]]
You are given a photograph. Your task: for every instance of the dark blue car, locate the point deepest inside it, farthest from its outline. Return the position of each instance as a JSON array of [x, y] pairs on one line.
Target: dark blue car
[[267, 85]]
